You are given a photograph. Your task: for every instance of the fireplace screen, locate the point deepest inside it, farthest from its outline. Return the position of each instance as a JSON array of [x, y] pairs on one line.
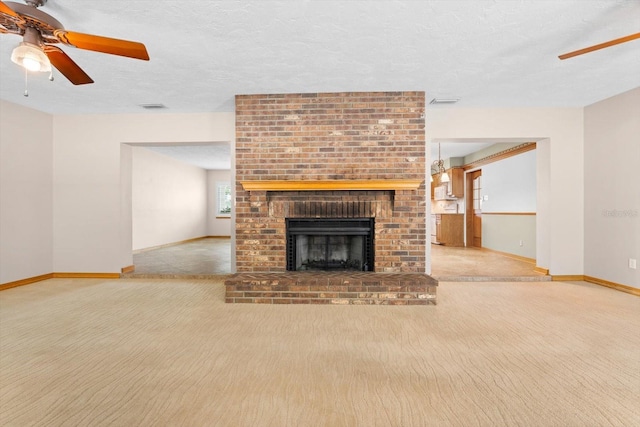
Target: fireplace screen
[[330, 244]]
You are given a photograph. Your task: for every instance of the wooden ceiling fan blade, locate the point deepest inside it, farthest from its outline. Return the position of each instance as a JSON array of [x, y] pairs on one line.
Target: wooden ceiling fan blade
[[600, 46], [103, 44], [66, 66], [7, 10]]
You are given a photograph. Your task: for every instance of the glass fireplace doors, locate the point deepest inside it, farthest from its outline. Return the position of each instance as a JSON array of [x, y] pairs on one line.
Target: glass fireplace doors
[[321, 244]]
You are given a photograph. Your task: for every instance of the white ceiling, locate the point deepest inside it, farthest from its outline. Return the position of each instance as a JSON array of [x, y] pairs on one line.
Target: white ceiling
[[209, 156], [487, 52]]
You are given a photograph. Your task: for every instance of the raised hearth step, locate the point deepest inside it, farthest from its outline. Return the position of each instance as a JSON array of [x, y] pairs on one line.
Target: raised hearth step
[[331, 288]]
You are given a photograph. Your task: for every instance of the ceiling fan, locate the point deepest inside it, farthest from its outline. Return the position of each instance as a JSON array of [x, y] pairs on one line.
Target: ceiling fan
[[600, 46], [40, 32]]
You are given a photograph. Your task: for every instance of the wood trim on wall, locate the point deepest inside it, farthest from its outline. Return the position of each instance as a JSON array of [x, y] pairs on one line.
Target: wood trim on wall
[[166, 245], [617, 286], [86, 275], [128, 269], [514, 151], [26, 281], [590, 279], [48, 276], [568, 278], [541, 270], [509, 255]]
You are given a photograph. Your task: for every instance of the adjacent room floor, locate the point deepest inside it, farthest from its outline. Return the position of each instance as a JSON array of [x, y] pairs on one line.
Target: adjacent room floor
[[212, 256], [201, 257]]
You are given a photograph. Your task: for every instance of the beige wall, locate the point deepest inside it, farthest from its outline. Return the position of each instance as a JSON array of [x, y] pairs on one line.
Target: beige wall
[[612, 195], [26, 193], [92, 170], [169, 200]]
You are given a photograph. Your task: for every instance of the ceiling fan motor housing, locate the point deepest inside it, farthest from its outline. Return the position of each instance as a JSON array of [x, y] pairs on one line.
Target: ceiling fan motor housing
[[34, 18], [36, 3]]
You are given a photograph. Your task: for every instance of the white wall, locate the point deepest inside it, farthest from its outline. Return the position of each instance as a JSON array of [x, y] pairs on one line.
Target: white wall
[[560, 170], [217, 226], [169, 200], [612, 196], [26, 191], [510, 184], [92, 170]]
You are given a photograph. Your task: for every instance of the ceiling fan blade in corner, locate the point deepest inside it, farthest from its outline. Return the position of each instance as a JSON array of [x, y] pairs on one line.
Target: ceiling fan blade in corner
[[103, 44], [600, 46], [7, 10], [66, 66]]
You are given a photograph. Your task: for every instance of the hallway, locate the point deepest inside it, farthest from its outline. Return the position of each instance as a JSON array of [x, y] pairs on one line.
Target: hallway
[[203, 258]]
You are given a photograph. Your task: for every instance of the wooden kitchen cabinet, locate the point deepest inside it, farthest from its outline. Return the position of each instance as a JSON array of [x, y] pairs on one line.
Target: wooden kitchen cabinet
[[449, 229], [434, 184], [456, 182]]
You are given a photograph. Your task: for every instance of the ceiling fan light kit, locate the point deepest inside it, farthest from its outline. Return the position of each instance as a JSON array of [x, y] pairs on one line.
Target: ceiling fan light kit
[[31, 57], [40, 32]]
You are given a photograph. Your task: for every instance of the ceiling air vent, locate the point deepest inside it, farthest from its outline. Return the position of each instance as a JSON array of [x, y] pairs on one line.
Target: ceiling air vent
[[436, 101], [153, 106]]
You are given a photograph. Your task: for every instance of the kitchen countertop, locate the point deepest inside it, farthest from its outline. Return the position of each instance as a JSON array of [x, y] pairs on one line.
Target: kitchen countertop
[[440, 207]]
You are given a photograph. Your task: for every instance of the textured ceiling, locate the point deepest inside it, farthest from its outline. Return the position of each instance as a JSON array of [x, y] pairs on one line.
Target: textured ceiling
[[209, 156], [487, 52]]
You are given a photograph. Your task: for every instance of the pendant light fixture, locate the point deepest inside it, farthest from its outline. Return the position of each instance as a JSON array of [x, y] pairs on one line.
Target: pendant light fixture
[[438, 165]]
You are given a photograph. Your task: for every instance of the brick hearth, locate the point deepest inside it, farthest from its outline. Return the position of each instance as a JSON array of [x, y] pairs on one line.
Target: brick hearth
[[331, 288]]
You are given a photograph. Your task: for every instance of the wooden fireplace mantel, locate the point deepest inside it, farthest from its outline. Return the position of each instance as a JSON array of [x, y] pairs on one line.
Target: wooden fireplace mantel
[[332, 185]]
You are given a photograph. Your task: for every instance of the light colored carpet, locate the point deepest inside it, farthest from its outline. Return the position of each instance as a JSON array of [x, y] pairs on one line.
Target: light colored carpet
[[171, 353]]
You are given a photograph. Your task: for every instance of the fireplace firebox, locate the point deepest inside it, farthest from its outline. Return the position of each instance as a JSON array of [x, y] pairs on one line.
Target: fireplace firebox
[[330, 244]]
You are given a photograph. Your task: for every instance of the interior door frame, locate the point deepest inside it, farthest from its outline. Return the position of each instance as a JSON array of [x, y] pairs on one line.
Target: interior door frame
[[469, 176]]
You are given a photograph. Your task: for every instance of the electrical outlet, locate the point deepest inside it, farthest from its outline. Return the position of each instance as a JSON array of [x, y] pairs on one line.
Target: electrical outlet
[[632, 263], [521, 243]]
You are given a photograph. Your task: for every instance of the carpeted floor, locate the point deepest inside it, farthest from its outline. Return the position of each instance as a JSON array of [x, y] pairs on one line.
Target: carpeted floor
[[138, 352]]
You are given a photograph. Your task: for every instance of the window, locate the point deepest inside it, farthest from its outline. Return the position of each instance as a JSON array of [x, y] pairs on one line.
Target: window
[[224, 199]]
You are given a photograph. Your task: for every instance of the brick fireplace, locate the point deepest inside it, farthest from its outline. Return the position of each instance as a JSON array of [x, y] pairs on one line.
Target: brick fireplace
[[351, 156]]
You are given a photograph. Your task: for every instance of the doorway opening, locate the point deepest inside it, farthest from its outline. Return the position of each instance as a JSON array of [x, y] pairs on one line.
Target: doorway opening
[[477, 257], [176, 225]]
